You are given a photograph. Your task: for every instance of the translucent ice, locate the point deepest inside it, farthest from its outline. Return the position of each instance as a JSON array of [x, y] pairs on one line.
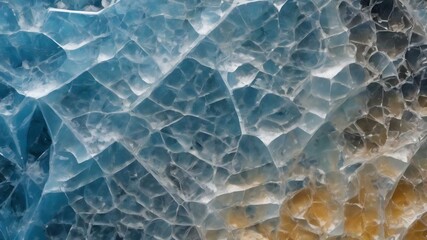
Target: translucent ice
[[213, 119]]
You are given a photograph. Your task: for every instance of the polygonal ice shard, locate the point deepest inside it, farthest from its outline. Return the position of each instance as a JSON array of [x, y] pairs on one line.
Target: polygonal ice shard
[[30, 62]]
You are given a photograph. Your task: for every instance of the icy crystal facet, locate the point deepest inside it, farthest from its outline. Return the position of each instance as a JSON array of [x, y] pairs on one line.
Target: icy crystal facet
[[213, 119]]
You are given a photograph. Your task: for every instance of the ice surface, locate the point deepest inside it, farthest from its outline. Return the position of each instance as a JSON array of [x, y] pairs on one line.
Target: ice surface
[[213, 119]]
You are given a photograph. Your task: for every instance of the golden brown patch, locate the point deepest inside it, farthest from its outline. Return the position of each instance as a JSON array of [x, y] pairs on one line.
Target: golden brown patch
[[418, 230]]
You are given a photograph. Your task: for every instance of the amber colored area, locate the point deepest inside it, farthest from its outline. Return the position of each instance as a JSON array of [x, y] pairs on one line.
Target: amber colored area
[[237, 218], [315, 214], [418, 229], [320, 212], [312, 213]]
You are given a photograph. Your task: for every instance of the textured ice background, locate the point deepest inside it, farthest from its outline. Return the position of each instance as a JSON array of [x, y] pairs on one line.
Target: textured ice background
[[196, 119]]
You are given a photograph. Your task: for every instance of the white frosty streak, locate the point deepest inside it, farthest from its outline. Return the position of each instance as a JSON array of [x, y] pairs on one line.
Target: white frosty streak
[[74, 11]]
